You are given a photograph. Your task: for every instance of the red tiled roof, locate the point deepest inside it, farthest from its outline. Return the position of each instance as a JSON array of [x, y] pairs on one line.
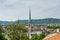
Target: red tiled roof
[[55, 36]]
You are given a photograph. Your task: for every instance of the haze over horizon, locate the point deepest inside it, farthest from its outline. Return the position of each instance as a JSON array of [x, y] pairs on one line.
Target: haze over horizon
[[11, 9]]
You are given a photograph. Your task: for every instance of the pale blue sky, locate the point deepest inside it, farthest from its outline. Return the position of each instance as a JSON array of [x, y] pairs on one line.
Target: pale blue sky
[[11, 9]]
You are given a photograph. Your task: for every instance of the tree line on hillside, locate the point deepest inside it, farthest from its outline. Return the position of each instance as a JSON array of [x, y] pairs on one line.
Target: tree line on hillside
[[53, 27], [2, 37], [34, 21]]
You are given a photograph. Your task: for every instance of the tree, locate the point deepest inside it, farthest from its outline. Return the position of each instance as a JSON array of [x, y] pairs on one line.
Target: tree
[[53, 27], [38, 37], [1, 35], [41, 36], [24, 37], [34, 37], [17, 32]]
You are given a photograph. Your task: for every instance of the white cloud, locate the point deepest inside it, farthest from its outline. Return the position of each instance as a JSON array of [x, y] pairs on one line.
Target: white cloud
[[10, 9], [10, 2]]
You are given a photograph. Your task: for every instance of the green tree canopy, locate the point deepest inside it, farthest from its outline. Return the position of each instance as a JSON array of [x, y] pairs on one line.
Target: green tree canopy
[[34, 37], [1, 35], [17, 32], [53, 27], [41, 36]]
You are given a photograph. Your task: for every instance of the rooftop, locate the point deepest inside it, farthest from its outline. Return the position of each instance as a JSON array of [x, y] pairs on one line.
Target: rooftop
[[54, 36]]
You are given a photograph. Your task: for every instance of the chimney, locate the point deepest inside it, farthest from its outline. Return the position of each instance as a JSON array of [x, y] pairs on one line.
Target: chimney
[[57, 30]]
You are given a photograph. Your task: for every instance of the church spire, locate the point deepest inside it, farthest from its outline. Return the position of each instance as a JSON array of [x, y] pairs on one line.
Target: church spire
[[29, 23], [18, 19], [29, 15]]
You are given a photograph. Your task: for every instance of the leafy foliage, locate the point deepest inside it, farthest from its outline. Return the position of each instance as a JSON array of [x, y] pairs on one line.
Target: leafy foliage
[[38, 37], [2, 36], [34, 37], [41, 36], [17, 32], [53, 27]]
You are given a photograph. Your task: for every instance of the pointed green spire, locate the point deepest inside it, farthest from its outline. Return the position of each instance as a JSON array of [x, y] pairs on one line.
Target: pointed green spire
[[29, 23], [18, 19], [29, 15]]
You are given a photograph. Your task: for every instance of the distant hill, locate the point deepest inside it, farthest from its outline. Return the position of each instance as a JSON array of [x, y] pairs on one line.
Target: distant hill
[[34, 21]]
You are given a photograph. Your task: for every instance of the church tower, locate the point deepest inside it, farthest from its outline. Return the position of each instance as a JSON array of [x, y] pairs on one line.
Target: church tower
[[29, 15], [29, 23]]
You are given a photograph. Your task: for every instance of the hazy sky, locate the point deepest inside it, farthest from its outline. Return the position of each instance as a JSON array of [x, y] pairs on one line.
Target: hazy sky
[[11, 9]]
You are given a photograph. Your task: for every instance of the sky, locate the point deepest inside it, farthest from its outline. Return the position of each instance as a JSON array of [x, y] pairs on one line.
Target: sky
[[11, 9]]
